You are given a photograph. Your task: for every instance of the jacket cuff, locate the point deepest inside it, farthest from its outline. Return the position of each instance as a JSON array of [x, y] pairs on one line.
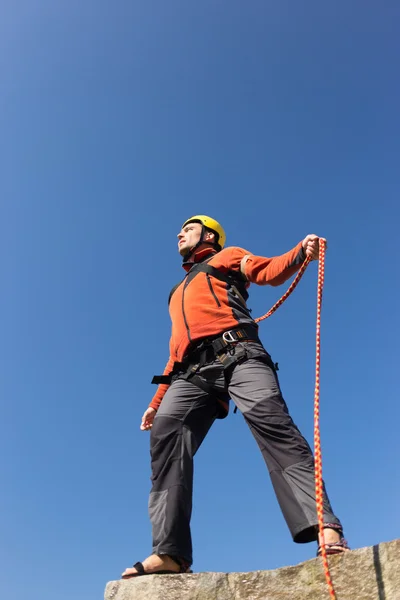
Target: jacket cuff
[[301, 257]]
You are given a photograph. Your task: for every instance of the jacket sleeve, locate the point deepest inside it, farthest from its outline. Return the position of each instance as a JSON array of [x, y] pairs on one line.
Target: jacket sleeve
[[162, 388], [275, 270]]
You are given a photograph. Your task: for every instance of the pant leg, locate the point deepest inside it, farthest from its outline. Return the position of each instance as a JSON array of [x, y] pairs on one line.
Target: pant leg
[[254, 388], [181, 423]]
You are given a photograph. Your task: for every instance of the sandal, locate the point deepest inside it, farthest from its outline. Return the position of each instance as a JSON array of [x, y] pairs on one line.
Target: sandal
[[334, 547], [184, 567]]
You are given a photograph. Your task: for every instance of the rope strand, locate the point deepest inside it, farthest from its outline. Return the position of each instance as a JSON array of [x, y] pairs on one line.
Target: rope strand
[[286, 294], [317, 437], [319, 495]]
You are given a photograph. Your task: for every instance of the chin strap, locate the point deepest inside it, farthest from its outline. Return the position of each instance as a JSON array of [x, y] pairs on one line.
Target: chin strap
[[187, 256], [201, 241]]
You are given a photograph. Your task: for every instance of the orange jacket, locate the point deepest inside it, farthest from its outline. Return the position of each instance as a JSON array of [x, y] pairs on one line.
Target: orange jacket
[[205, 306]]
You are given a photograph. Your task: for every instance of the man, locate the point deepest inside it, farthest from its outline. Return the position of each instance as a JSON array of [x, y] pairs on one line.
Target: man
[[215, 354]]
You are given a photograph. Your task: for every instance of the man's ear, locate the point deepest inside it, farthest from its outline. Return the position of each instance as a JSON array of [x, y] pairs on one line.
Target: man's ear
[[209, 236]]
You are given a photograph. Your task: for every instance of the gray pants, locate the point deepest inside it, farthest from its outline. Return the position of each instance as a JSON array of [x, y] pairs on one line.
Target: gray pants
[[181, 424]]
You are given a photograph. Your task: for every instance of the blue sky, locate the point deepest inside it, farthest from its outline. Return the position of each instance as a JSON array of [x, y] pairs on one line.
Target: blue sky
[[119, 121]]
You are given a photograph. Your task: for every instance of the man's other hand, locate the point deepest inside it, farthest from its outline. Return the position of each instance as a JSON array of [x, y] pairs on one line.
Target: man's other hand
[[147, 419]]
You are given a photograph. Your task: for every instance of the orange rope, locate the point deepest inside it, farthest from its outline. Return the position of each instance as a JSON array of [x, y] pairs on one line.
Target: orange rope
[[317, 438], [286, 294]]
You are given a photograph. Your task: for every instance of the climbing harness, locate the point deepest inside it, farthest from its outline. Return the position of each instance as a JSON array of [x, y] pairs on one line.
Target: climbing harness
[[317, 437], [206, 351]]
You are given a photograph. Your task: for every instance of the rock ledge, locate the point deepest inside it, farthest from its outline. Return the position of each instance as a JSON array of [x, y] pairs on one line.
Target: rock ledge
[[371, 573]]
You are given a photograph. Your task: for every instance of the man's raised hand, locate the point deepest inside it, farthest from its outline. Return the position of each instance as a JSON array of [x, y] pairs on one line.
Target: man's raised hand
[[311, 246]]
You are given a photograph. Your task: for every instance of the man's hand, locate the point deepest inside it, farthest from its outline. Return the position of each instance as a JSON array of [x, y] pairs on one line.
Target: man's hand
[[147, 419], [311, 246]]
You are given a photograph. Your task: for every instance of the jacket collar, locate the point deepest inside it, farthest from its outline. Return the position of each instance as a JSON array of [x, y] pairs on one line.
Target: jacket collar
[[199, 256]]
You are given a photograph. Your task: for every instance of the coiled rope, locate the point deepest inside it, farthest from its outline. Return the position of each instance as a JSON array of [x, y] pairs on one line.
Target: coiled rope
[[317, 435]]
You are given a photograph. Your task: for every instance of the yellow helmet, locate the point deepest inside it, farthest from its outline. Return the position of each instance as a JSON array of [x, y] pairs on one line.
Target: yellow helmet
[[210, 223]]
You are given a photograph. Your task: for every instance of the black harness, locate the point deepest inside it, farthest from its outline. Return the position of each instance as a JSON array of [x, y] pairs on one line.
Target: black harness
[[207, 350]]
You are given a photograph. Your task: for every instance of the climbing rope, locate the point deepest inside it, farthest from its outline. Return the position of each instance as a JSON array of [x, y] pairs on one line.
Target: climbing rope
[[317, 438], [289, 291]]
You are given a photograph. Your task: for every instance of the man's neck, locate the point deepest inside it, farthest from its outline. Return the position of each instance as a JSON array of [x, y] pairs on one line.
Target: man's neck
[[201, 253]]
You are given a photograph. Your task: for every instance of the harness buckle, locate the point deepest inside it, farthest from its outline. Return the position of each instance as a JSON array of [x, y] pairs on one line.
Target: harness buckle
[[228, 337]]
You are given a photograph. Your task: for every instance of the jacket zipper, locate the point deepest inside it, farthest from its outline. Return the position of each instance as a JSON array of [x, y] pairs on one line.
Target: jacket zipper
[[183, 310], [212, 290]]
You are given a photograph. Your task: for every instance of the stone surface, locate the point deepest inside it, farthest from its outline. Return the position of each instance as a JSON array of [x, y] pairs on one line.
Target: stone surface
[[371, 573]]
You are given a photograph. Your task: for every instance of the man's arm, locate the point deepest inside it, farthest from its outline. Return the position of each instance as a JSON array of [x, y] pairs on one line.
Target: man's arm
[[278, 269], [272, 271]]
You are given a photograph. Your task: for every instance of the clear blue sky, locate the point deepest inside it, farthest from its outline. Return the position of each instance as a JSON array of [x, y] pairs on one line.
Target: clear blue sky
[[118, 121]]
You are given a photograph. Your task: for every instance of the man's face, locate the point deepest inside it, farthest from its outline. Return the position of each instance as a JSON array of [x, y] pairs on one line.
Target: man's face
[[188, 237]]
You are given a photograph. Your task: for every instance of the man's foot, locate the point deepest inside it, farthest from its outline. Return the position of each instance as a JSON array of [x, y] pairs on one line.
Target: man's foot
[[156, 563], [334, 542]]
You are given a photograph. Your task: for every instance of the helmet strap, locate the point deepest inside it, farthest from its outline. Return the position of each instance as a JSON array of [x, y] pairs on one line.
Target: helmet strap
[[201, 241]]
